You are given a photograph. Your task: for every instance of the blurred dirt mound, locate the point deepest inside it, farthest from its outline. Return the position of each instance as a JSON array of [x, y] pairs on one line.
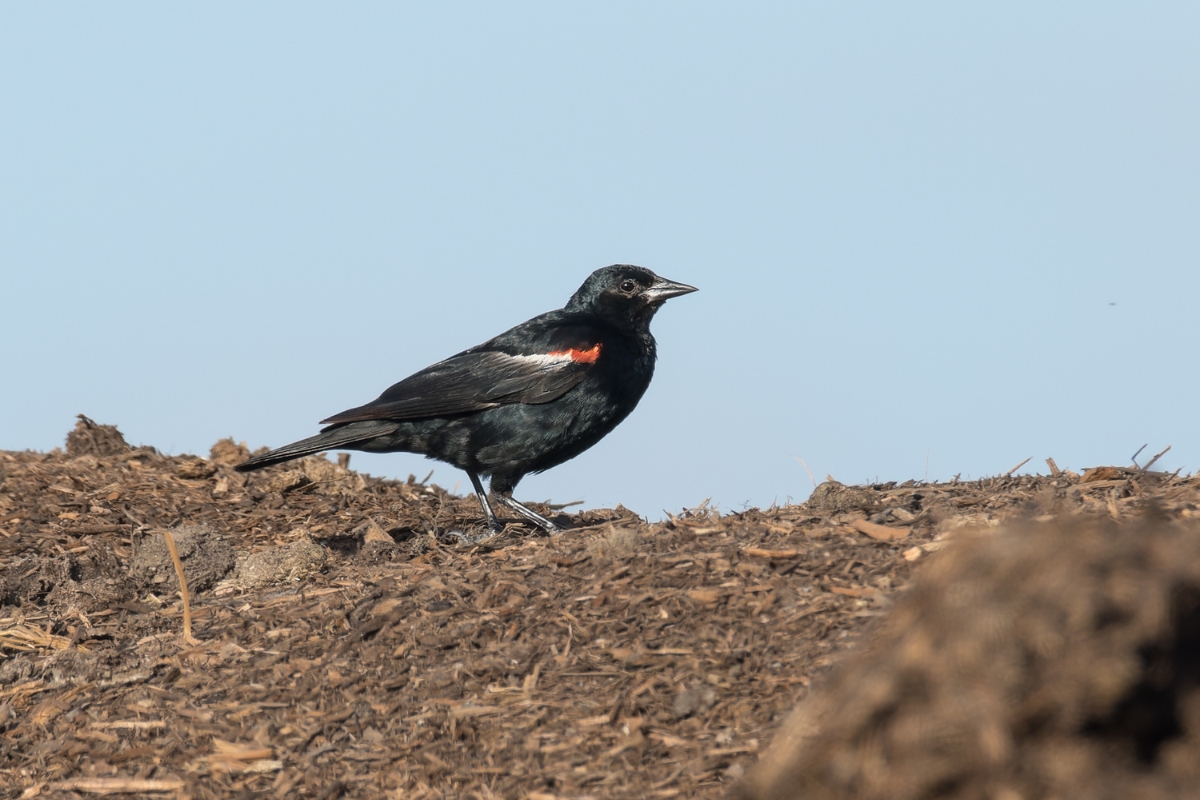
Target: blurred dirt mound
[[229, 453], [89, 438], [1054, 659]]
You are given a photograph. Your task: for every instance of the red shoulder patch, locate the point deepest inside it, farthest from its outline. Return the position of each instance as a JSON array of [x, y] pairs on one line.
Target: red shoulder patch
[[581, 356]]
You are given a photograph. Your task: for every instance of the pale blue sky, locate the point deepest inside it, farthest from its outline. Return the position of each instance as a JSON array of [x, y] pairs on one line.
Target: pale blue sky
[[908, 223]]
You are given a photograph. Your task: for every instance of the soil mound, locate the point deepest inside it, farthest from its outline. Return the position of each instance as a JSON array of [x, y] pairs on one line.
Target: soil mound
[[349, 647], [92, 439]]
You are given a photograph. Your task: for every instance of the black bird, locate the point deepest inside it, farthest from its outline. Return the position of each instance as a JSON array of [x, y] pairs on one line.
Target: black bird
[[528, 400]]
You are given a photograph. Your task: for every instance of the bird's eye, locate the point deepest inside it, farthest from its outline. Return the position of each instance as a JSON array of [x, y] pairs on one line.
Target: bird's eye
[[627, 286]]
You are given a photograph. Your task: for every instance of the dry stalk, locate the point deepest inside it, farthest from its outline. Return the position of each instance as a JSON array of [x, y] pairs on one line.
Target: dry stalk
[[119, 785], [24, 636], [1017, 467], [812, 477], [1154, 460], [183, 591]]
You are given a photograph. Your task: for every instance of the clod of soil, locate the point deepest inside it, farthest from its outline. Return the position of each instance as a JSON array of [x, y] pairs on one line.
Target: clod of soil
[[90, 438], [75, 582], [1059, 659], [196, 469], [835, 497], [207, 558], [281, 564], [229, 453]]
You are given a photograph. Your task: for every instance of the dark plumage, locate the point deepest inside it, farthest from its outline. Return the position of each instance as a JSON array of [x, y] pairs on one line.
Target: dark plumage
[[531, 398]]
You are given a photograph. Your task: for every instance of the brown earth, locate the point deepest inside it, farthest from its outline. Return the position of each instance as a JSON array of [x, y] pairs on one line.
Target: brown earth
[[1054, 659], [347, 648]]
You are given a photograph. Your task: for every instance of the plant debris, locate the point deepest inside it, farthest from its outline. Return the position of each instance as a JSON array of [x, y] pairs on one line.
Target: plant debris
[[619, 659]]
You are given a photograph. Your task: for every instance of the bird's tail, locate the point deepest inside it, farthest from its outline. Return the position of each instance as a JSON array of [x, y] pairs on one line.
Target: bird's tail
[[328, 439]]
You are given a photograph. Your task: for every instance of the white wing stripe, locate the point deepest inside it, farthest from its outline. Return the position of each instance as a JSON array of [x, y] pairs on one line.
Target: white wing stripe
[[545, 359]]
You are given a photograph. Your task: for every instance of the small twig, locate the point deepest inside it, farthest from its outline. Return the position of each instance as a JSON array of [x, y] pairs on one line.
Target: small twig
[[811, 477], [1138, 453], [119, 785], [133, 725], [183, 591], [1017, 467], [1054, 470], [1150, 463], [93, 529]]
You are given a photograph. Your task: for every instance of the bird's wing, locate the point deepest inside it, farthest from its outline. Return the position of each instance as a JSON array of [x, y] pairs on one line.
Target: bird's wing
[[479, 379]]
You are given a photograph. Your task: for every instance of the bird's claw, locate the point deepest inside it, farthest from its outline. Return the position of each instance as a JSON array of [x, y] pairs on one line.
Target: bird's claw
[[465, 540]]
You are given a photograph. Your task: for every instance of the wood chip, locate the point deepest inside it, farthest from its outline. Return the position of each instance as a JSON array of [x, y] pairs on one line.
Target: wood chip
[[706, 596], [375, 533], [854, 591], [1102, 474], [760, 552], [230, 751], [882, 533], [466, 712]]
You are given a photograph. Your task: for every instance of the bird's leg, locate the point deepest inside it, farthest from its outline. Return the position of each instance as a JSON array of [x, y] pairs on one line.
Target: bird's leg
[[502, 487], [529, 514], [493, 524]]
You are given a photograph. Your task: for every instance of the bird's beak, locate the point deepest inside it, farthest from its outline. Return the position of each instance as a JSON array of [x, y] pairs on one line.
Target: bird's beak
[[662, 290]]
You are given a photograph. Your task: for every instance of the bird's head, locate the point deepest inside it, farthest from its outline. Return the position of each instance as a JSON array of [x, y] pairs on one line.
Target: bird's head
[[625, 294]]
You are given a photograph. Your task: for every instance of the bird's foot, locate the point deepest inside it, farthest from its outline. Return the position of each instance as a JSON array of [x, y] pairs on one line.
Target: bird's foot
[[466, 540], [455, 536], [531, 515]]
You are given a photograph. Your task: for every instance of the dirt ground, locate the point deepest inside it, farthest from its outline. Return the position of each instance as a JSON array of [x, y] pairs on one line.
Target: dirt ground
[[344, 646]]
